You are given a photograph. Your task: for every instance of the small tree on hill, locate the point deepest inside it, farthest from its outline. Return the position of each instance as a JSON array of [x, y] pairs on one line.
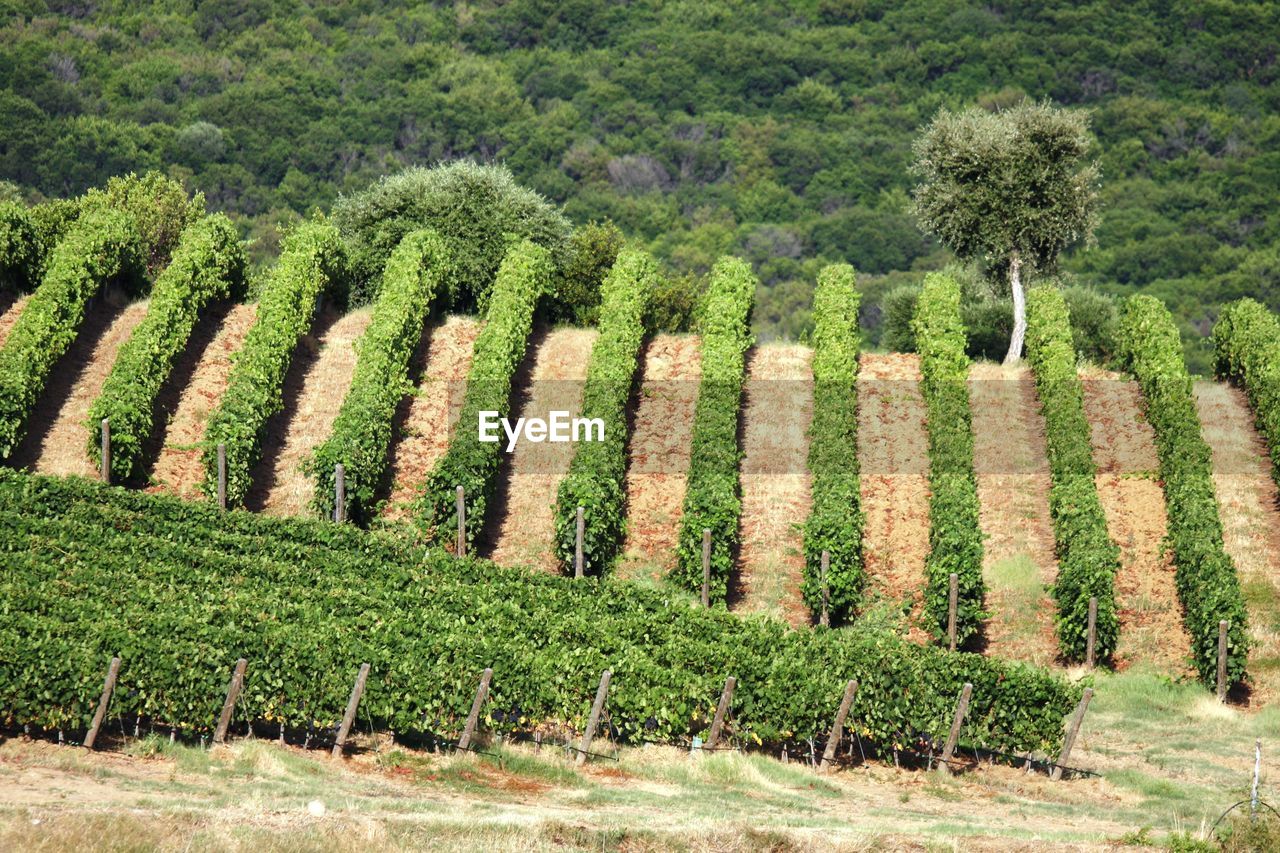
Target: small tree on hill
[[1011, 188]]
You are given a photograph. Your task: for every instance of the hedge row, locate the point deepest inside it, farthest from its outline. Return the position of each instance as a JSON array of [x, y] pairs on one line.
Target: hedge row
[[1087, 558], [102, 246], [596, 477], [208, 265], [523, 278], [20, 254], [1247, 344], [179, 591], [955, 536], [312, 261], [361, 435], [1206, 576], [835, 521], [713, 498]]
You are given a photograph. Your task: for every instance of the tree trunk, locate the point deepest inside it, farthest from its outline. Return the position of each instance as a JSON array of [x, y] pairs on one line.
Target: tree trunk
[[1019, 310]]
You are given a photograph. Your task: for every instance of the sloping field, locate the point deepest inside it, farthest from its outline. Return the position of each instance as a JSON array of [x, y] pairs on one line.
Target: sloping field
[[777, 411], [893, 452], [1147, 605], [318, 381], [12, 309], [658, 466], [1013, 491], [431, 413], [526, 500]]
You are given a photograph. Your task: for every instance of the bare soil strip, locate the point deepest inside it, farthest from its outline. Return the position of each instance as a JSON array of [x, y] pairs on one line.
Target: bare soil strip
[[325, 364], [775, 482], [1151, 630], [658, 464], [58, 439], [1013, 493], [11, 311], [427, 424], [526, 531], [1250, 510], [177, 468], [893, 454]]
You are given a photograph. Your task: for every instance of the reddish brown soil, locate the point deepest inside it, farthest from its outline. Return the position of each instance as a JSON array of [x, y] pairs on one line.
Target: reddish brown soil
[[12, 310]]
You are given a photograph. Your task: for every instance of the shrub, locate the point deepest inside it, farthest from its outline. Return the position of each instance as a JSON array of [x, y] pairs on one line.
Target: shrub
[[51, 220], [1247, 347], [208, 265], [955, 536], [158, 206], [361, 434], [312, 262], [20, 256], [589, 256], [675, 303], [713, 495], [1087, 558], [523, 278], [475, 209], [898, 307], [835, 521], [102, 247], [1206, 577], [596, 477]]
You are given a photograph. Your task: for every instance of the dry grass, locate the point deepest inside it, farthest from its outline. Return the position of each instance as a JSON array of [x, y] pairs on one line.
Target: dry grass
[[9, 314], [775, 481], [432, 412], [526, 532], [658, 463], [1013, 494], [177, 469]]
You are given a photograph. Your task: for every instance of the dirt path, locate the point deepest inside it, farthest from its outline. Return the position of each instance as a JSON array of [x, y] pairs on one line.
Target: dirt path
[[58, 438], [777, 411], [11, 311], [177, 468], [525, 509], [318, 381], [1013, 494], [1250, 510], [1151, 631], [893, 454], [658, 468], [430, 415]]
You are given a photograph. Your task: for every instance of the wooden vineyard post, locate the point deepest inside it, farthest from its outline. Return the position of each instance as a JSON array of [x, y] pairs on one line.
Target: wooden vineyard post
[[706, 567], [825, 619], [1222, 660], [580, 532], [339, 493], [350, 716], [105, 472], [597, 707], [953, 599], [108, 686], [1073, 729], [229, 706], [953, 738], [722, 709], [222, 475], [1091, 639], [473, 719], [837, 728], [461, 548]]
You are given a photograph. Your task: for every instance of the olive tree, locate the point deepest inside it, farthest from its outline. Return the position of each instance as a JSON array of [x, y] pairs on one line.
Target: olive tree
[[1011, 189]]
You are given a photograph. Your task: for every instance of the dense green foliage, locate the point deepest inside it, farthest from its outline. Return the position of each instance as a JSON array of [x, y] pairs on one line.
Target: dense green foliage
[[955, 536], [158, 207], [208, 265], [20, 255], [312, 263], [475, 209], [361, 437], [179, 591], [1206, 576], [835, 521], [596, 480], [523, 279], [102, 247], [1247, 340], [1087, 558], [713, 498], [589, 256]]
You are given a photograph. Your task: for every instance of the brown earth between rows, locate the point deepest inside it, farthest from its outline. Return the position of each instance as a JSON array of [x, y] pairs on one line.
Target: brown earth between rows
[[10, 313]]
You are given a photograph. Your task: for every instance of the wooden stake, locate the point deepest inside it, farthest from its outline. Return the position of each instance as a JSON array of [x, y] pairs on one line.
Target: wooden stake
[[962, 709], [953, 599], [350, 716], [825, 619], [594, 720], [837, 728], [222, 475], [717, 724], [473, 719], [579, 534], [1073, 729], [105, 472], [108, 686], [1222, 660], [339, 493], [461, 548], [1091, 638], [229, 706], [706, 567]]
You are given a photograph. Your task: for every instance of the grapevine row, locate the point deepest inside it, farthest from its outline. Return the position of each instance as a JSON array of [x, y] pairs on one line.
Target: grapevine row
[[1247, 345]]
